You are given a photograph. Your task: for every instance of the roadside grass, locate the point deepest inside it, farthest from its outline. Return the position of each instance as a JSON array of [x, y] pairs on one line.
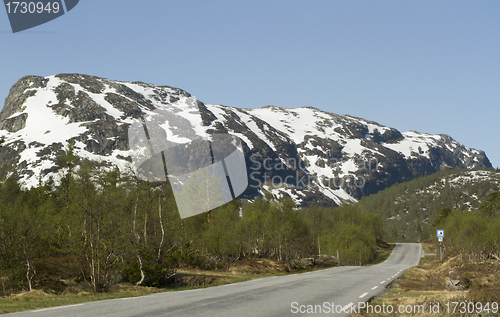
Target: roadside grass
[[38, 299]]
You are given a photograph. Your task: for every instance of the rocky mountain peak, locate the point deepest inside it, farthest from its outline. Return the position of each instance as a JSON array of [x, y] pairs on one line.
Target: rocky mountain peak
[[305, 153]]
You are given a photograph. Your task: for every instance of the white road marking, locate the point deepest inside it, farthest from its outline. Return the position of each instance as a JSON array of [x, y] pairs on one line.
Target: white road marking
[[57, 307], [347, 307], [187, 290], [375, 287], [363, 295], [382, 282]]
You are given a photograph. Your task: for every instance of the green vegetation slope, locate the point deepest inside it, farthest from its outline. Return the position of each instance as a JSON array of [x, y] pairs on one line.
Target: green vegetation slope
[[409, 209]]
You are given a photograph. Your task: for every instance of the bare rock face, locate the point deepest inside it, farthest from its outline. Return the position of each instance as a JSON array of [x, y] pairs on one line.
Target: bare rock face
[[454, 285], [14, 124], [307, 154], [25, 87]]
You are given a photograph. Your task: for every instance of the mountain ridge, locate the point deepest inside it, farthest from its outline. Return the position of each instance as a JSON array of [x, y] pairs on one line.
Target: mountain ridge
[[308, 154]]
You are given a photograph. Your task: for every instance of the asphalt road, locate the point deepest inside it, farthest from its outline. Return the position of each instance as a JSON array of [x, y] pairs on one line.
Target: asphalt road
[[290, 295]]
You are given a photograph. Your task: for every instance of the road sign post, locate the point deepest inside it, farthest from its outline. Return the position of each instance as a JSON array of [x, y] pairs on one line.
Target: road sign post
[[440, 236]]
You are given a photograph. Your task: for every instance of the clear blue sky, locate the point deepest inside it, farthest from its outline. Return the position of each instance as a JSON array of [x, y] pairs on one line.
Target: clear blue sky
[[429, 66]]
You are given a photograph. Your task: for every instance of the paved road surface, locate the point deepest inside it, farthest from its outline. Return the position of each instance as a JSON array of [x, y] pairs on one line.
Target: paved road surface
[[270, 296]]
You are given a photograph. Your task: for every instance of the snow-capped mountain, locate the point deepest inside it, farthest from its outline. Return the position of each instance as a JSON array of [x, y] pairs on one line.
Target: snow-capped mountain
[[305, 153]]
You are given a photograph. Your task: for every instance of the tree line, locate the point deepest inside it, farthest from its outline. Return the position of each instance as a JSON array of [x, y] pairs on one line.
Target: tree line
[[107, 221]]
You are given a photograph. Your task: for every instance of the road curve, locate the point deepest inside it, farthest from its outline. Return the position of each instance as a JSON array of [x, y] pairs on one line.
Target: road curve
[[288, 295]]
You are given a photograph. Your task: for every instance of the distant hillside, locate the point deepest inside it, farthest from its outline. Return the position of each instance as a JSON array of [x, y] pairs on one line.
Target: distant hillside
[[408, 209]]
